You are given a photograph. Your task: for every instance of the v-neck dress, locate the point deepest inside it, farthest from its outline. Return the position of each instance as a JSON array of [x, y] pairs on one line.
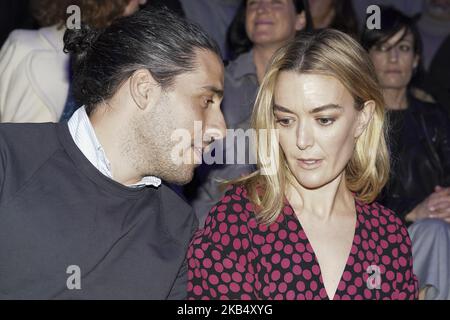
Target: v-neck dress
[[235, 257]]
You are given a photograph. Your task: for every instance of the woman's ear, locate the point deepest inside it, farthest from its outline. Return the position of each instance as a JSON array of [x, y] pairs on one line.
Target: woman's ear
[[364, 117], [416, 61], [143, 88], [300, 21]]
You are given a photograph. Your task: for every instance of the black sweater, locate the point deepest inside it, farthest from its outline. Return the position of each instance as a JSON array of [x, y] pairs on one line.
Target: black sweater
[[57, 210]]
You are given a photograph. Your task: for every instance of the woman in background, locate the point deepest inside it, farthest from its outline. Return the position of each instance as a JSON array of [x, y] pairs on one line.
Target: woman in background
[[418, 189], [34, 70]]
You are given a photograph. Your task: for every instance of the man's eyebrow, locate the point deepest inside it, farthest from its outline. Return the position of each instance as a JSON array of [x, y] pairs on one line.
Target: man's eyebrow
[[215, 90]]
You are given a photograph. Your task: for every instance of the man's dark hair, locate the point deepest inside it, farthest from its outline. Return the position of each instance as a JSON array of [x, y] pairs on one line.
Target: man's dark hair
[[237, 38], [156, 40]]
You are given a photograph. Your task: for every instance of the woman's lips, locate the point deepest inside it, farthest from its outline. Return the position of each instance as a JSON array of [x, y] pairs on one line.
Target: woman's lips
[[309, 164]]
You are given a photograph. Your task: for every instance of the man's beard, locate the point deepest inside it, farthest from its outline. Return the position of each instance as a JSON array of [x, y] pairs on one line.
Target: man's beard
[[149, 148]]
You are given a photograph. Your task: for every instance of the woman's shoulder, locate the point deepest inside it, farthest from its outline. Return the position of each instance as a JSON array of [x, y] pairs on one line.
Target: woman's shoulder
[[376, 217], [234, 204]]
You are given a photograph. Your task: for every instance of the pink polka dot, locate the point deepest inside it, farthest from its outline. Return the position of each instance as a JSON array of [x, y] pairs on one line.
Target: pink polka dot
[[300, 247], [297, 270], [236, 244], [221, 214], [282, 287], [223, 227], [213, 279], [402, 261], [227, 263], [347, 276], [307, 274], [266, 249], [276, 258], [276, 275], [234, 287], [282, 234], [237, 277], [367, 294], [313, 285], [300, 286], [315, 270], [351, 290], [278, 245], [222, 289], [225, 277], [285, 263], [288, 277], [198, 290], [307, 257], [288, 249], [237, 207], [290, 295], [207, 263]]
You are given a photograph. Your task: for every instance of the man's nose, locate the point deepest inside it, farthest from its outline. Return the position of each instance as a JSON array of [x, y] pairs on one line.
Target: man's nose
[[215, 127]]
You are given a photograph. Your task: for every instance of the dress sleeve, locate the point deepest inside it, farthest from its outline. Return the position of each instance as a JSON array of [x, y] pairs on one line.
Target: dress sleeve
[[406, 284], [220, 256]]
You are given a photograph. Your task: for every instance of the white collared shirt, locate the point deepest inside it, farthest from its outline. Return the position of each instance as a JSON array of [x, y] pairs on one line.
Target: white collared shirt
[[83, 135]]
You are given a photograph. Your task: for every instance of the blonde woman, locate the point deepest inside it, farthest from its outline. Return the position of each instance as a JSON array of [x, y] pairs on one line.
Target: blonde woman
[[311, 228]]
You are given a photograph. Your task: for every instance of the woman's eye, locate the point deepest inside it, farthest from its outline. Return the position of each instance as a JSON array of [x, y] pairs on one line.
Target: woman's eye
[[382, 48], [285, 122], [405, 48], [325, 121]]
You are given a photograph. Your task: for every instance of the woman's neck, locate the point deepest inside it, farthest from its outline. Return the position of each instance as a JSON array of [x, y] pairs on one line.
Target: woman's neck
[[324, 21], [261, 58], [395, 99], [323, 203]]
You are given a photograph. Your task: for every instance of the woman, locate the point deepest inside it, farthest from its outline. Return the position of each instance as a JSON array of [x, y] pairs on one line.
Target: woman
[[418, 189], [310, 229], [258, 30], [34, 70]]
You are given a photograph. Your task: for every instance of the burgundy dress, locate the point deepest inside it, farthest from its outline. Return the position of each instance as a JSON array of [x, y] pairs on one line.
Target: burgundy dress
[[234, 257]]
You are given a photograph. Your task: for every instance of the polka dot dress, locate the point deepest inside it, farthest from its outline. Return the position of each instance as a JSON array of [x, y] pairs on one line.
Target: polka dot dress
[[234, 257]]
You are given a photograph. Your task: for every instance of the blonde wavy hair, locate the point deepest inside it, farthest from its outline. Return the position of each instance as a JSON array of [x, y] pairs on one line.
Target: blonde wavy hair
[[332, 53]]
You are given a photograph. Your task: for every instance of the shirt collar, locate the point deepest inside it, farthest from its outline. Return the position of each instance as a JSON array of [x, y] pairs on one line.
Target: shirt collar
[[84, 136]]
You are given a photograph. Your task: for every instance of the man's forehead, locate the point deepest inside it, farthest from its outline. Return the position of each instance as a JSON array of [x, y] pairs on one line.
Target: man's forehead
[[208, 74]]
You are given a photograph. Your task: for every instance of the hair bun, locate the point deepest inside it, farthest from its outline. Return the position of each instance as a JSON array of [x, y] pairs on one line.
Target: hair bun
[[79, 41]]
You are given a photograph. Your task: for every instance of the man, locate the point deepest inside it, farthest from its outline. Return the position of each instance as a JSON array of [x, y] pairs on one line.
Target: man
[[83, 213]]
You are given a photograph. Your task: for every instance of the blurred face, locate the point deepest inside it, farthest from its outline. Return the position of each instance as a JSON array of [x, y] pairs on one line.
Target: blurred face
[[395, 60], [438, 9], [189, 110], [133, 6], [317, 128], [272, 22]]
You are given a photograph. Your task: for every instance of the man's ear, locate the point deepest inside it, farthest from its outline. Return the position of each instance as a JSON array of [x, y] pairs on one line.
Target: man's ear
[[300, 21], [143, 88], [364, 117]]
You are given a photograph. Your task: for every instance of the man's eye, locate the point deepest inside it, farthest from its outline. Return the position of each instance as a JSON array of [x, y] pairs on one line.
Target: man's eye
[[208, 102], [325, 121]]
